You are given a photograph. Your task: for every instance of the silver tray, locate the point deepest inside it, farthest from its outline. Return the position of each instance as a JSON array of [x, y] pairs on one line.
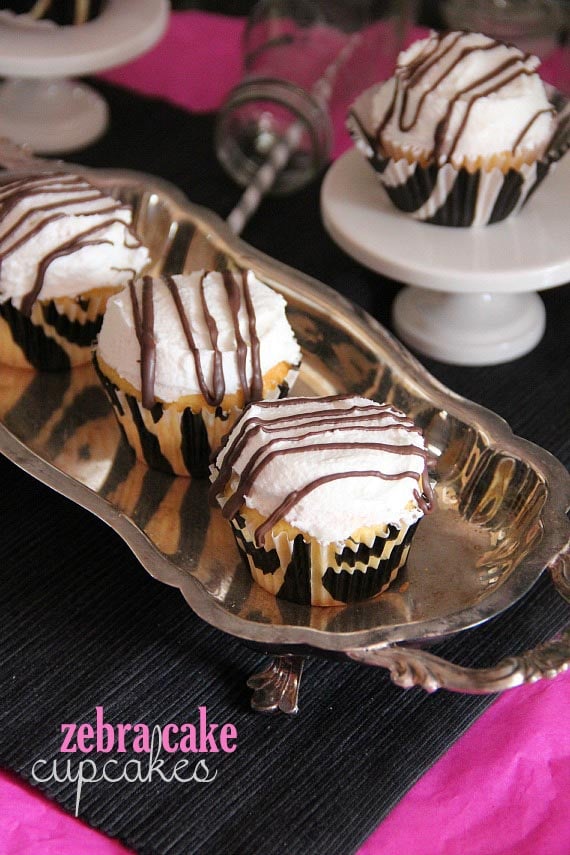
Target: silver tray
[[501, 501]]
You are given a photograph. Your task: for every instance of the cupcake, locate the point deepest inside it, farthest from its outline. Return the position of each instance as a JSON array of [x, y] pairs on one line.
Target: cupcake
[[323, 494], [65, 246], [463, 132], [180, 356]]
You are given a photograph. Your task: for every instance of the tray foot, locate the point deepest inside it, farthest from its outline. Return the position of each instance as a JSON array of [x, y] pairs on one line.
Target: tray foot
[[277, 688]]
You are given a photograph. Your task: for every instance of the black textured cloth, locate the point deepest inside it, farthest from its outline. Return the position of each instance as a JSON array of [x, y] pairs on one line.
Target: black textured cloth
[[83, 625]]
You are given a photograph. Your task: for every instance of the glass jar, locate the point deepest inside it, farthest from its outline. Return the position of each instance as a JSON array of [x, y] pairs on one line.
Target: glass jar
[[297, 55]]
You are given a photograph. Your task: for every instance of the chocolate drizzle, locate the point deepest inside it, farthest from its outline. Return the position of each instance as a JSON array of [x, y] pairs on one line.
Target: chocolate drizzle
[[256, 389], [144, 329], [440, 50], [312, 418], [67, 248], [72, 192], [329, 426], [215, 392], [529, 125]]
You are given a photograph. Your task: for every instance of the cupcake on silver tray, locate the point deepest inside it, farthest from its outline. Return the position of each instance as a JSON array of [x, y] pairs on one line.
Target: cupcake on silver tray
[[323, 495], [65, 247], [180, 356]]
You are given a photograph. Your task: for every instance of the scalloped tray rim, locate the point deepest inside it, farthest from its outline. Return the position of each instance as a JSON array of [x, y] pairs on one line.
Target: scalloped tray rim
[[288, 637]]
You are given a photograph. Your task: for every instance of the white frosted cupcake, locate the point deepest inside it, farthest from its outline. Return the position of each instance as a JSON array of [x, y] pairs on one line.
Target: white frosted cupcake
[[180, 356], [463, 132], [323, 495], [64, 248]]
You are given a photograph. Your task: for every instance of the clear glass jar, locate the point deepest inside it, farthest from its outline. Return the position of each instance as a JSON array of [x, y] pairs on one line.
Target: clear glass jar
[[295, 53], [261, 113]]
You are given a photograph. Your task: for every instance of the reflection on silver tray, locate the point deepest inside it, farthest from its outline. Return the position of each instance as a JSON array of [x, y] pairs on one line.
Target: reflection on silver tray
[[501, 501]]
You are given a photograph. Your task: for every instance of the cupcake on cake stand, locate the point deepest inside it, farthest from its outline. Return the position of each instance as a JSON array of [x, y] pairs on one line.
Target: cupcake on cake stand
[[471, 297], [39, 105]]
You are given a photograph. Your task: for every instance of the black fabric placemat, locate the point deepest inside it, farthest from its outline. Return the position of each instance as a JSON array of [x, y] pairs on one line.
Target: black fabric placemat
[[83, 625]]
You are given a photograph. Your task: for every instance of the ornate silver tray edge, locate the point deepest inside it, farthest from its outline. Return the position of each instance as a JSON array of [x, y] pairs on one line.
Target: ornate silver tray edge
[[277, 687]]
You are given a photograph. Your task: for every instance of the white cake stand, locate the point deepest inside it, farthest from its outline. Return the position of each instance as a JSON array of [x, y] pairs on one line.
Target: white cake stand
[[39, 106], [476, 303]]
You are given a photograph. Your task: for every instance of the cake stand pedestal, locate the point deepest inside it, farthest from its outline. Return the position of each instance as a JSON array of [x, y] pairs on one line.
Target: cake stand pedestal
[[473, 298], [42, 108]]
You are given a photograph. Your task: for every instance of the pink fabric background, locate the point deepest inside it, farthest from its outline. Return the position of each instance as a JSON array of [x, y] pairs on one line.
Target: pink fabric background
[[502, 789]]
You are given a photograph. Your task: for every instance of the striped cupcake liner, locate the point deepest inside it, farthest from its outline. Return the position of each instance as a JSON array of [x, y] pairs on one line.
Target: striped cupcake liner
[[445, 195], [170, 439], [308, 572]]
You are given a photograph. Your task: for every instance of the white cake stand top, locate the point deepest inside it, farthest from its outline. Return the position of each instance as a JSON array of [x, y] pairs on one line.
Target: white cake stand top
[[123, 30], [476, 302], [40, 104], [529, 252]]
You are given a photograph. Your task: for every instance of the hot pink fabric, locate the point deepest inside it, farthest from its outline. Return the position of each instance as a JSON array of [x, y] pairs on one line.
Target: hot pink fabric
[[199, 60], [502, 789], [194, 65]]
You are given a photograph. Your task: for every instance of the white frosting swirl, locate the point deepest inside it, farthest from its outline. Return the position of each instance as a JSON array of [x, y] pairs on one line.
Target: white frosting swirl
[[45, 215], [305, 442], [175, 373], [491, 92]]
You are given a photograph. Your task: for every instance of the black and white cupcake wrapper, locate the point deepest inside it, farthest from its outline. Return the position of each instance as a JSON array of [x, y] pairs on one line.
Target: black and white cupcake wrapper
[[447, 196], [308, 572], [170, 439]]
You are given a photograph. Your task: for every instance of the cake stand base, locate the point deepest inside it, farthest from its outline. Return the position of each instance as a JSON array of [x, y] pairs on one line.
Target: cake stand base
[[51, 116], [469, 329]]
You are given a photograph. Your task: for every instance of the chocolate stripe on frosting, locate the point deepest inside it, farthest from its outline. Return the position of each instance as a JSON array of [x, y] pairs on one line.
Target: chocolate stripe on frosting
[[312, 418], [442, 128], [296, 496], [214, 395], [24, 187], [234, 300], [32, 212], [256, 389], [173, 288], [74, 245], [328, 431], [218, 380], [409, 77], [144, 329], [71, 192]]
